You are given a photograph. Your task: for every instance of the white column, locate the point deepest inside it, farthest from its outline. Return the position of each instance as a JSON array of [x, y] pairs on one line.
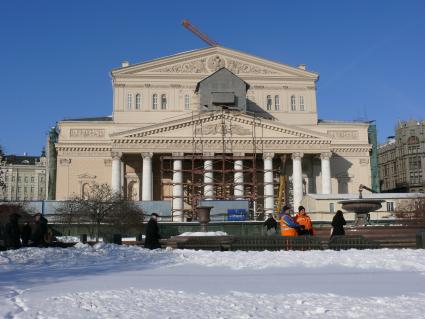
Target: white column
[[147, 176], [326, 173], [268, 183], [178, 214], [297, 179], [116, 172], [238, 190], [208, 179]]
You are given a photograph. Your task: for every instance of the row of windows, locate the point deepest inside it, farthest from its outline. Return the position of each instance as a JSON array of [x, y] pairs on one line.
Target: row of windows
[[163, 101], [26, 179], [269, 103], [19, 189]]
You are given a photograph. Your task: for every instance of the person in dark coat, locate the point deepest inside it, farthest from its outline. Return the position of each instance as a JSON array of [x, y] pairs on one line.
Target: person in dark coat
[[271, 225], [338, 223], [39, 230], [12, 232], [152, 233], [26, 234]]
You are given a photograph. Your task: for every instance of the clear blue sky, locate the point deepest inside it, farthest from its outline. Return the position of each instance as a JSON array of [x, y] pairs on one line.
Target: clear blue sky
[[55, 56]]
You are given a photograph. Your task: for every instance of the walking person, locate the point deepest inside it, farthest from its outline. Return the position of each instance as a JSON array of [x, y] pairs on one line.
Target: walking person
[[271, 225], [303, 219], [152, 233], [40, 228], [12, 232], [338, 223], [288, 227], [26, 234]]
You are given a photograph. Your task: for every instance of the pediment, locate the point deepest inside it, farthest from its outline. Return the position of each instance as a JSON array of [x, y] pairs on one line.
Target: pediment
[[207, 61], [211, 125]]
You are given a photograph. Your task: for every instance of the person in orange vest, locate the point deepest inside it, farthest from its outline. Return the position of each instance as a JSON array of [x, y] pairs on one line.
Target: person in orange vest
[[303, 219], [288, 227]]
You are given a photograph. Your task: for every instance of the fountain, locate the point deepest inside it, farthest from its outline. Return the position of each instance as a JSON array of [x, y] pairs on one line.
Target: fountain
[[361, 206]]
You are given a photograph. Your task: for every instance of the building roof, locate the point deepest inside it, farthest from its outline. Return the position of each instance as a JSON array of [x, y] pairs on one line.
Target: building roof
[[90, 119], [21, 160]]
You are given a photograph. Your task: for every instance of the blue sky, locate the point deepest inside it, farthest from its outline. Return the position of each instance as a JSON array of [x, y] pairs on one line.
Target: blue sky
[[55, 56]]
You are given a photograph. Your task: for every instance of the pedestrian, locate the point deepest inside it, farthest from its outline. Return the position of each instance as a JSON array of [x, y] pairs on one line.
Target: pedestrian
[[40, 230], [271, 225], [303, 219], [26, 234], [288, 227], [12, 233], [338, 223], [152, 233]]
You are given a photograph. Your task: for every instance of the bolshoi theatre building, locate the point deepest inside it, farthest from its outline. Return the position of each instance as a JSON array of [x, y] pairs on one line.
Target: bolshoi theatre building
[[213, 124]]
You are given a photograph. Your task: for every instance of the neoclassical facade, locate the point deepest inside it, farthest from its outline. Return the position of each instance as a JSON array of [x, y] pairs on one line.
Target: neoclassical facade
[[164, 142]]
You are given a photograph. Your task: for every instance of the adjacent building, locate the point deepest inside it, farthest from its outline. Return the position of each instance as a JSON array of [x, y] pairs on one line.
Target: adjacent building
[[213, 123], [24, 176], [401, 159]]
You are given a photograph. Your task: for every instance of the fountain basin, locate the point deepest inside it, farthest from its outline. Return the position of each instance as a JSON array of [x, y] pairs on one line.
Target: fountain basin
[[361, 206]]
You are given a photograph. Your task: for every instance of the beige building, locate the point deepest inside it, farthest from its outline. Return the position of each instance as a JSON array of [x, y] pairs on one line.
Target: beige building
[[401, 159], [24, 176], [163, 142]]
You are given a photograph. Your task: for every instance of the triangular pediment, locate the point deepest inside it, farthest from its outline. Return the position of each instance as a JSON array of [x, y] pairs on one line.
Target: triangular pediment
[[210, 125], [204, 62]]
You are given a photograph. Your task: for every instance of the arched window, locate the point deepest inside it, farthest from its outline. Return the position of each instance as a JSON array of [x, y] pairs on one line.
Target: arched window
[[154, 102], [186, 102], [276, 103], [163, 102], [269, 103], [413, 140], [138, 101], [293, 103], [129, 101], [301, 103]]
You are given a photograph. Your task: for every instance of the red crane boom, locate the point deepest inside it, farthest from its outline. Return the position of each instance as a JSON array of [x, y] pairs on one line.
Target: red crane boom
[[198, 33]]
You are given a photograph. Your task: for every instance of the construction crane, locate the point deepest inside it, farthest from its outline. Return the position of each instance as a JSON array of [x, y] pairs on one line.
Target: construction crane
[[198, 33]]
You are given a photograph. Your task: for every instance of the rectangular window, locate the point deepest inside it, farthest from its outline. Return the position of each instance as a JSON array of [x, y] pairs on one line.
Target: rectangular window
[[390, 206], [32, 189], [269, 103], [332, 207], [13, 178], [32, 179], [301, 103], [19, 178], [129, 101], [138, 101], [186, 102], [26, 179], [277, 103]]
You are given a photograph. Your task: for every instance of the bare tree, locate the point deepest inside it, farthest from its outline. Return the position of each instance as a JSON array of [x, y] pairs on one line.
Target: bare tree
[[414, 212], [101, 206]]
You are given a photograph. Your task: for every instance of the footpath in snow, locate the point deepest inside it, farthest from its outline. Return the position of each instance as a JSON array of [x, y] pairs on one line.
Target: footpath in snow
[[106, 281]]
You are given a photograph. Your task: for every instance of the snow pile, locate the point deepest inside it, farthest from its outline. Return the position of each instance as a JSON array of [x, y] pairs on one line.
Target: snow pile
[[201, 234], [109, 255], [68, 239]]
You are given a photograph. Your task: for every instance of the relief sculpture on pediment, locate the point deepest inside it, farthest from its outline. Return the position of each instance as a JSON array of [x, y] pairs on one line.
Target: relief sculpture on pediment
[[215, 129], [244, 68], [197, 66]]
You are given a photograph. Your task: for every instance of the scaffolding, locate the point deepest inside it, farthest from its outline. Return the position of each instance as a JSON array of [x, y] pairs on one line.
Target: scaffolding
[[222, 168]]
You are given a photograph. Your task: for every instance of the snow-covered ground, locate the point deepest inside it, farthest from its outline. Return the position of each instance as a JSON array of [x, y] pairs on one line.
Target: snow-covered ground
[[110, 281]]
